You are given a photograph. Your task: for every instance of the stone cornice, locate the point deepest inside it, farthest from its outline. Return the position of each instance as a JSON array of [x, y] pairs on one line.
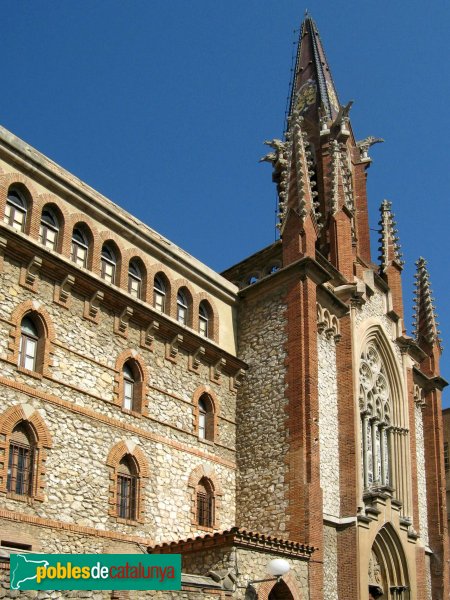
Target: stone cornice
[[57, 266], [409, 345], [329, 300], [235, 537], [429, 383], [305, 268], [46, 172]]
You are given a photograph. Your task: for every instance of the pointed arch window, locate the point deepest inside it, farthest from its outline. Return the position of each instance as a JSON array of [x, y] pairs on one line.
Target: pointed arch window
[[29, 344], [49, 229], [20, 461], [203, 320], [15, 210], [205, 503], [134, 280], [127, 489], [182, 308], [376, 427], [79, 253], [159, 294], [108, 264]]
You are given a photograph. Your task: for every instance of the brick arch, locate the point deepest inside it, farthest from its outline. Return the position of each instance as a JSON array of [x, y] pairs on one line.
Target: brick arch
[[93, 235], [60, 211], [266, 587], [116, 454], [213, 332], [206, 389], [132, 254], [119, 450], [207, 471], [9, 419], [160, 269], [184, 284], [107, 237], [47, 333], [139, 365], [30, 192]]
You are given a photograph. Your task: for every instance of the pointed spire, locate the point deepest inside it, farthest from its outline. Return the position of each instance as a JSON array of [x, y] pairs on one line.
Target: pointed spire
[[389, 242], [313, 89], [425, 324]]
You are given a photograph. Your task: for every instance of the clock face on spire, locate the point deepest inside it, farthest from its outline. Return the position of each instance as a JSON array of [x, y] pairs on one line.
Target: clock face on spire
[[306, 96]]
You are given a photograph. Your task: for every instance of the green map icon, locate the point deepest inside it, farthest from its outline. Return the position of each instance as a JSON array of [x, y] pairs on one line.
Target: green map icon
[[24, 570]]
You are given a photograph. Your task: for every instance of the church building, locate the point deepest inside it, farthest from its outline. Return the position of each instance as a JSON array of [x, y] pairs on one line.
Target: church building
[[277, 410]]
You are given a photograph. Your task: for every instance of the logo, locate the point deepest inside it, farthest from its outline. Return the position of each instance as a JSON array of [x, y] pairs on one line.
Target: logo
[[95, 572]]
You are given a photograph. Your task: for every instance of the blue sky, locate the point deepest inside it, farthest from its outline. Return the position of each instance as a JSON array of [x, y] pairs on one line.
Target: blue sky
[[163, 107]]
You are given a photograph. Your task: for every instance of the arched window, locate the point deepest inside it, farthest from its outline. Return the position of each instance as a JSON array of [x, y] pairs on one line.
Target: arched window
[[205, 503], [15, 210], [108, 264], [128, 387], [131, 392], [159, 294], [375, 410], [182, 308], [134, 280], [20, 461], [127, 489], [203, 320], [28, 346], [49, 228], [79, 254], [205, 418]]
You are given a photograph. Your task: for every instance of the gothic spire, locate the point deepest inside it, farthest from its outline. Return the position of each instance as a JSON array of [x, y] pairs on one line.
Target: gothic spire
[[425, 318], [389, 243], [313, 89]]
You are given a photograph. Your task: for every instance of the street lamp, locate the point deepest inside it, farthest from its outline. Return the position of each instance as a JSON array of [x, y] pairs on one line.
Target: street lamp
[[277, 568]]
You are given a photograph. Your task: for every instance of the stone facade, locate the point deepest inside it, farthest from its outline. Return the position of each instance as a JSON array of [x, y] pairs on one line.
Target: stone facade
[[328, 425], [261, 445], [279, 410]]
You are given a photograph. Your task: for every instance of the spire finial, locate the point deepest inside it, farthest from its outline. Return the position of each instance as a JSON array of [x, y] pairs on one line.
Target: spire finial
[[425, 324], [389, 242], [313, 91]]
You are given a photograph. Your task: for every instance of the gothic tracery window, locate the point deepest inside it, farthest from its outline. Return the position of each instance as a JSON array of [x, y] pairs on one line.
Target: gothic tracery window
[[375, 410]]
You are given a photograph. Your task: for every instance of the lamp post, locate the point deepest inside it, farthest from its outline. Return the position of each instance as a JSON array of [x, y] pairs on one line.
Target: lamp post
[[277, 568]]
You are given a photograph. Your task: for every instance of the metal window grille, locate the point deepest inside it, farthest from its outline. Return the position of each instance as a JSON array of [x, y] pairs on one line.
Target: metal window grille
[[205, 508], [126, 497], [20, 469]]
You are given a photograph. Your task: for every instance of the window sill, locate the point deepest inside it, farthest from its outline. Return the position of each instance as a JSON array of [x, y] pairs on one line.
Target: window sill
[[133, 413], [30, 373], [204, 528], [22, 498], [205, 441], [133, 523]]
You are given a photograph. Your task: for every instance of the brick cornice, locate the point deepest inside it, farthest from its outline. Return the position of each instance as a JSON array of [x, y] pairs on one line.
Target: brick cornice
[[11, 515], [92, 414]]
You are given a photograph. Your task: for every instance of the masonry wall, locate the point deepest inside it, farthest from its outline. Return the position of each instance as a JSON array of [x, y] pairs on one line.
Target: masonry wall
[[261, 414], [77, 400]]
